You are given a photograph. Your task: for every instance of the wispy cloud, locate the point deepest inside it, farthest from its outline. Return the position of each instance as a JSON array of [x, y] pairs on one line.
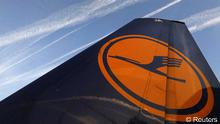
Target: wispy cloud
[[7, 66], [162, 8], [112, 7], [47, 26], [39, 71], [33, 74], [71, 15], [97, 8], [203, 20]]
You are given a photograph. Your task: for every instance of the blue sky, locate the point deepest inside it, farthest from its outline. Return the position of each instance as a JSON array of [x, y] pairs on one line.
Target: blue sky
[[38, 35]]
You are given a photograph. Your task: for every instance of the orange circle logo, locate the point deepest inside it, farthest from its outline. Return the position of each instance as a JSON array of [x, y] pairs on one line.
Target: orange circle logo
[[156, 77]]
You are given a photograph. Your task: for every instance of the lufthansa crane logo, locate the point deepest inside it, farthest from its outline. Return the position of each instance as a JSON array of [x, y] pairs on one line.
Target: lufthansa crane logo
[[156, 77]]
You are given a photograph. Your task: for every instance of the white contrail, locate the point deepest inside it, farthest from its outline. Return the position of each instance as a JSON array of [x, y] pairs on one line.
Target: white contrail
[[68, 16], [12, 61], [75, 51], [203, 20], [67, 54], [162, 8], [113, 6], [72, 15], [39, 71], [6, 67]]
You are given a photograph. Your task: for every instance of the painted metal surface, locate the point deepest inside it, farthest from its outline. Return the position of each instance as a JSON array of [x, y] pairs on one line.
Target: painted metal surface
[[148, 71]]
